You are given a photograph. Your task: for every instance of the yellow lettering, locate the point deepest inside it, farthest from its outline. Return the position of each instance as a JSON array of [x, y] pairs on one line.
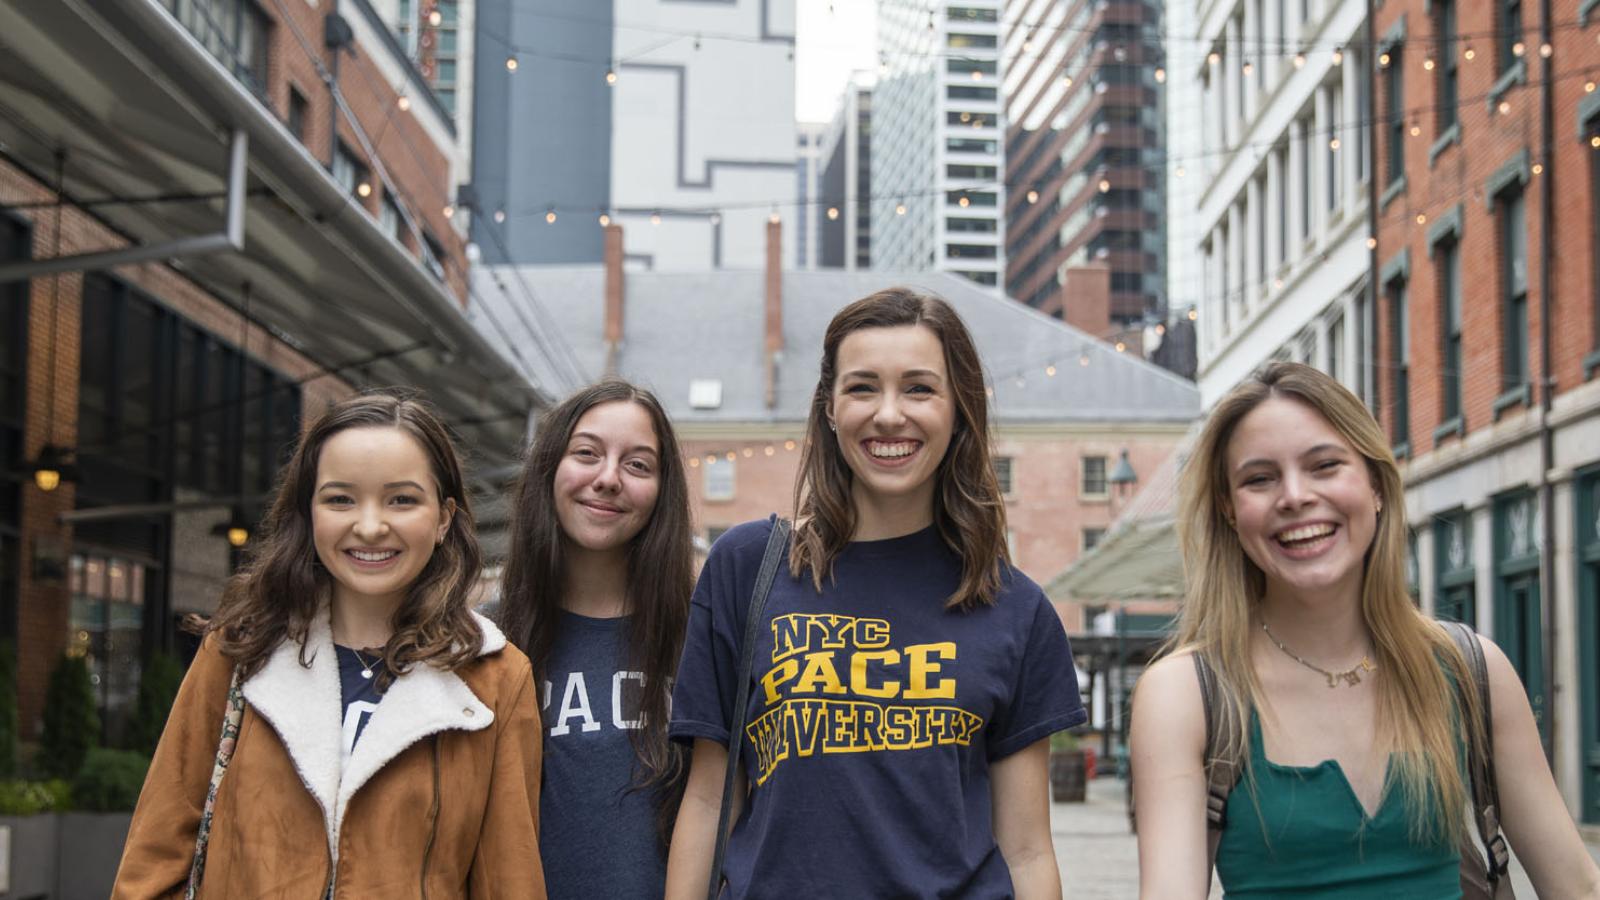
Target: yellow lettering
[[777, 675], [789, 635], [858, 673], [872, 633], [819, 675], [922, 666]]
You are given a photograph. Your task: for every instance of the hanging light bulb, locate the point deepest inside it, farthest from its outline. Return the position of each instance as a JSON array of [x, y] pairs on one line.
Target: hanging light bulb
[[499, 216], [1248, 68], [1338, 56], [655, 218], [1033, 197], [1415, 128], [404, 103], [1121, 346], [1372, 243], [899, 209], [1422, 219], [1333, 144], [363, 189], [449, 211], [1383, 59], [1213, 57], [1505, 107], [1299, 60], [1180, 172], [1518, 49], [1083, 359], [611, 76], [788, 445], [1546, 51], [1161, 75], [1469, 54], [963, 202], [1050, 370], [1193, 314], [511, 64], [435, 18], [1066, 81], [774, 219], [833, 213], [1428, 64], [1105, 185], [550, 217], [604, 220], [1588, 87], [1538, 168]]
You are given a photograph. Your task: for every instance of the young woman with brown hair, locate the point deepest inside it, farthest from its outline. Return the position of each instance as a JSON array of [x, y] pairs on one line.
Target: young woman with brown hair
[[906, 676], [1340, 698], [388, 740], [596, 590]]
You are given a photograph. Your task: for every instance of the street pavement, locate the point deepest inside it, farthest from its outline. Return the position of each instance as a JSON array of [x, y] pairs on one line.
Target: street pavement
[[1099, 858]]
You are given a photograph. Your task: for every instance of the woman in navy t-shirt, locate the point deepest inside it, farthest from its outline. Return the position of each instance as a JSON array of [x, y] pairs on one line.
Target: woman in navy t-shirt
[[596, 592], [906, 677]]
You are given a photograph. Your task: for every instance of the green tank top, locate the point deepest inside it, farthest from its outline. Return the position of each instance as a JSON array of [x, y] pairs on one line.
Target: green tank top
[[1300, 832]]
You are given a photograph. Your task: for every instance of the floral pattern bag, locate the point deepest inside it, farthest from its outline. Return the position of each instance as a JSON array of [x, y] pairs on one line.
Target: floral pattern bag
[[225, 745]]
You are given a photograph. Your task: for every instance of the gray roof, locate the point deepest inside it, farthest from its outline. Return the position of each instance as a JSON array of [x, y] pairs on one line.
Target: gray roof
[[683, 326]]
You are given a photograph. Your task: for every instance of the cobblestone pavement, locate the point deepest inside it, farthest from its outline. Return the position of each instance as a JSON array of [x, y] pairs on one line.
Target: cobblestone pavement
[[1099, 857]]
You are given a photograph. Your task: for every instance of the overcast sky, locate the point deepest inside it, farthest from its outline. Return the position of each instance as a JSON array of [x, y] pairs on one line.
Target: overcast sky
[[832, 39]]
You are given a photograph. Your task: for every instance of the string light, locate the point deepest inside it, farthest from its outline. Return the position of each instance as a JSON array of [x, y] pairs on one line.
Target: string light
[[1121, 346], [1422, 219], [511, 64], [1105, 185], [1333, 144], [1469, 54], [1383, 59], [899, 209], [404, 103], [1338, 56], [1179, 172], [1505, 107], [1299, 60], [788, 445], [1050, 370], [977, 75], [611, 76], [1428, 64], [1033, 197], [364, 189], [833, 213], [731, 455], [1415, 129], [1248, 68], [550, 217], [449, 211], [1066, 81], [499, 216], [1588, 87], [1538, 168], [1518, 49], [604, 220], [1372, 243], [1083, 359], [769, 450], [694, 462], [1213, 57], [1193, 314], [1595, 141], [435, 18], [716, 218], [774, 218], [1161, 75], [655, 218], [963, 202]]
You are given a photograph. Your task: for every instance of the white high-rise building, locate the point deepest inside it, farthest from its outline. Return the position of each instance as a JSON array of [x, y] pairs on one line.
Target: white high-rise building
[[1283, 167], [937, 126]]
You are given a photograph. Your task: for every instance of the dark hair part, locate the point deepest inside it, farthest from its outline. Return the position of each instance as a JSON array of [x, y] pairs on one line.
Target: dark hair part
[[967, 505], [660, 575], [274, 597]]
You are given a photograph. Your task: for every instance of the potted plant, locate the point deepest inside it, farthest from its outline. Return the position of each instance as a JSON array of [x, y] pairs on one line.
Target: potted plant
[[1069, 769]]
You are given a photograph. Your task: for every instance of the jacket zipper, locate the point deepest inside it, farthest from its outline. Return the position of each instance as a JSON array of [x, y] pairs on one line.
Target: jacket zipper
[[433, 820]]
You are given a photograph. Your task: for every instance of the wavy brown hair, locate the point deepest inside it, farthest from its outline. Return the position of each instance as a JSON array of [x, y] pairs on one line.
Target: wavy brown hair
[[660, 576], [274, 597], [967, 505]]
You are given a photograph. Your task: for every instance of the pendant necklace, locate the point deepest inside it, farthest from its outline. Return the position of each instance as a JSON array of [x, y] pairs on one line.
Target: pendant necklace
[[1351, 676], [366, 667]]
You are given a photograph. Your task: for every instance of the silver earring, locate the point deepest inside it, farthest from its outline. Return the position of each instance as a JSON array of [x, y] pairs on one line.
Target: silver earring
[[833, 426]]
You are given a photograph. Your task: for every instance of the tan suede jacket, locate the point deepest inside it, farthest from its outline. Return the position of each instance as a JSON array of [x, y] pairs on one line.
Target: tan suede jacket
[[440, 798]]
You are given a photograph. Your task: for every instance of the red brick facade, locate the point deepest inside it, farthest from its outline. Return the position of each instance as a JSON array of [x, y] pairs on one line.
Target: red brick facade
[[1498, 130]]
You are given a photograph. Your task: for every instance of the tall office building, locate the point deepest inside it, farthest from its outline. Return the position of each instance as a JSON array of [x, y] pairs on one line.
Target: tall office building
[[937, 188], [675, 120], [845, 208], [1084, 152], [809, 139]]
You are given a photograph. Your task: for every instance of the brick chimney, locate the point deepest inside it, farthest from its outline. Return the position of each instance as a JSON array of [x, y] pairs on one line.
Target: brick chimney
[[1086, 300], [774, 307], [614, 296]]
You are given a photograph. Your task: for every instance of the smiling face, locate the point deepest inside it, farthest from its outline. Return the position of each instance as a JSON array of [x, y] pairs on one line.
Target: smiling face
[[1304, 502], [608, 479], [376, 517], [893, 412]]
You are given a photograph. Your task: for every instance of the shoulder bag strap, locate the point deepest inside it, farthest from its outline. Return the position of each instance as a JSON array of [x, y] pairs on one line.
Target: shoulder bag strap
[[777, 551], [1221, 774], [225, 744], [1485, 786]]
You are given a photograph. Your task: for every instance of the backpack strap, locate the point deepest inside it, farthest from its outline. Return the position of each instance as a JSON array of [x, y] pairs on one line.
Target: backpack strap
[[1221, 774], [1485, 786]]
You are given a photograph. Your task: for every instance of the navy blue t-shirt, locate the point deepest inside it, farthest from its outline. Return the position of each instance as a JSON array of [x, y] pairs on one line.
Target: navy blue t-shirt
[[874, 716], [359, 694], [598, 835]]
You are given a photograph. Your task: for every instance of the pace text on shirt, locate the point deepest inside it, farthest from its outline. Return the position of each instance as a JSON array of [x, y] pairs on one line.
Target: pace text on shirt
[[838, 684]]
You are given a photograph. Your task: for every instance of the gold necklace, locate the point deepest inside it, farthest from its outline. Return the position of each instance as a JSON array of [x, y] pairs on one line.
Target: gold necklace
[[1351, 676], [366, 667]]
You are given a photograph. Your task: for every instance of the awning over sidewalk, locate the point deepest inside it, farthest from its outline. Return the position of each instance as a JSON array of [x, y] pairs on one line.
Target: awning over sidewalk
[[141, 110]]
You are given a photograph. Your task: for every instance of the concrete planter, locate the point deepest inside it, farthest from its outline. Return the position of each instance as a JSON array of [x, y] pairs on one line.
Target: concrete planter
[[64, 856], [90, 849]]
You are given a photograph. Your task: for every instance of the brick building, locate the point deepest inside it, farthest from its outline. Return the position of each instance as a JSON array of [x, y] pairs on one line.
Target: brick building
[[1488, 325], [734, 356], [215, 218]]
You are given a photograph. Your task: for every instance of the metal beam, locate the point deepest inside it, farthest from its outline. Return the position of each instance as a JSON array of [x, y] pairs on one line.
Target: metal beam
[[232, 238]]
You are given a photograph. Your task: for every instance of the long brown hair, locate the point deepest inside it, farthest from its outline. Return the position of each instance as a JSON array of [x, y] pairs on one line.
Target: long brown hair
[[660, 573], [275, 595], [1419, 713], [968, 508]]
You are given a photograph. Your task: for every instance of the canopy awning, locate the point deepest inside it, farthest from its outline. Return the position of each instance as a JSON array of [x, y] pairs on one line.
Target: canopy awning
[[141, 109]]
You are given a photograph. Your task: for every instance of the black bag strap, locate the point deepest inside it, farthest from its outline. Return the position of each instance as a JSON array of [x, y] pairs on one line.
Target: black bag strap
[[1485, 785], [1221, 774], [777, 551]]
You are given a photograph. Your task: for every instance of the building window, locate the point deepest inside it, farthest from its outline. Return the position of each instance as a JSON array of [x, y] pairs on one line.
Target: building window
[[107, 625], [1448, 255], [348, 170], [433, 255], [1094, 477], [1260, 209], [236, 32], [1003, 474], [1283, 206], [1446, 83], [1336, 348], [296, 119], [1454, 593], [1594, 220], [1395, 115], [1509, 31], [719, 477], [1514, 290], [1399, 362], [389, 219], [1331, 157], [1092, 538], [1305, 179]]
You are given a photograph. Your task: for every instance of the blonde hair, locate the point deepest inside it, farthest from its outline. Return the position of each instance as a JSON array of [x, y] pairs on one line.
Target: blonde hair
[[1420, 712]]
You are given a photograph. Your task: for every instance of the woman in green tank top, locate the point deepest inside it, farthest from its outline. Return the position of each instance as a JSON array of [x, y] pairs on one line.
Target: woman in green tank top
[[1334, 697]]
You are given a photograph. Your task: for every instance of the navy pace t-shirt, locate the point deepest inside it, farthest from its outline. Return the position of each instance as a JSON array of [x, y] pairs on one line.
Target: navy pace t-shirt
[[874, 716]]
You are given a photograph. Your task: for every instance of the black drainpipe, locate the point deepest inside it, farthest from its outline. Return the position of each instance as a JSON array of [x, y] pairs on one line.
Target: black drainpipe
[[1547, 205]]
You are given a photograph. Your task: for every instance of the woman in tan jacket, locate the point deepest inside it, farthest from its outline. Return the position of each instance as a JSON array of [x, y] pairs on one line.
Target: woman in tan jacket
[[389, 742]]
